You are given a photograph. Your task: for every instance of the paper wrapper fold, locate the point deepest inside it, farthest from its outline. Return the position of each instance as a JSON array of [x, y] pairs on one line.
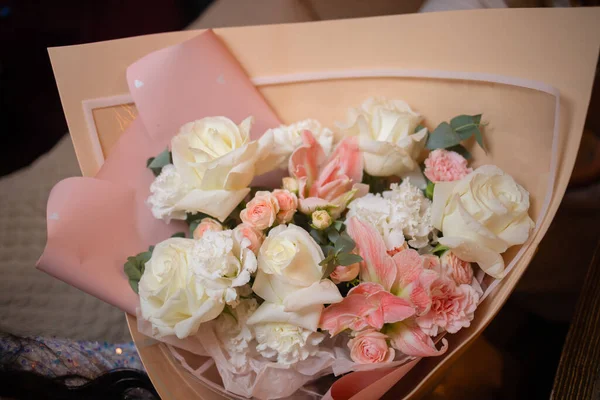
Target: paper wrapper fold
[[201, 77]]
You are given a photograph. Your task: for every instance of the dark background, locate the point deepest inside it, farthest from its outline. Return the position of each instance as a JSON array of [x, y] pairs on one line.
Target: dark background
[[31, 116]]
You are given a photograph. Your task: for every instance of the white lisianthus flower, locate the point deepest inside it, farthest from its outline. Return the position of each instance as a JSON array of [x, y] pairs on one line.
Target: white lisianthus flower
[[481, 216], [387, 137], [215, 161], [286, 343], [289, 279], [222, 264], [399, 214], [171, 299], [235, 334], [287, 138]]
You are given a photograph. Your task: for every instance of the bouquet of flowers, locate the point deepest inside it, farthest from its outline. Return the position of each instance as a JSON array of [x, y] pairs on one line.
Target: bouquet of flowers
[[375, 244]]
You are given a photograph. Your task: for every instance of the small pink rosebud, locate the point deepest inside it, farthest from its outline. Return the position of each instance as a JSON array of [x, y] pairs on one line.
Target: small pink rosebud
[[255, 236], [207, 224], [321, 219], [261, 211], [288, 204], [370, 347], [290, 184], [343, 273]]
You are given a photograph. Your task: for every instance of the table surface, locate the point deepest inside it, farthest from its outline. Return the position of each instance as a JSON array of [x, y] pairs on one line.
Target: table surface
[[577, 376]]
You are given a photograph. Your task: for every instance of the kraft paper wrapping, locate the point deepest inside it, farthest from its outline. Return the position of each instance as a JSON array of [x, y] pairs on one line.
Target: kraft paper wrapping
[[556, 47]]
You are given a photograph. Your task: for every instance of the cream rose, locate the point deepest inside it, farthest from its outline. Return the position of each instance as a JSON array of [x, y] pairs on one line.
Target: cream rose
[[289, 279], [170, 299], [481, 216], [215, 161], [387, 138]]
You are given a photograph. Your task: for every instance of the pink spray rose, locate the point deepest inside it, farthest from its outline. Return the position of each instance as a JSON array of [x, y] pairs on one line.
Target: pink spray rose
[[452, 307], [370, 347], [459, 270], [445, 166], [343, 273], [288, 203], [207, 224], [247, 231], [261, 211]]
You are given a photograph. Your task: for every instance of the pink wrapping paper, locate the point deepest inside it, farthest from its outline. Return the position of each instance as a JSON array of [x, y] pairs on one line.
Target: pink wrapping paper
[[94, 224]]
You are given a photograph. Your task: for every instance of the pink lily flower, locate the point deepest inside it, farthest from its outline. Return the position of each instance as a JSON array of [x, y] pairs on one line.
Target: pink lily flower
[[410, 339], [327, 183], [366, 305], [403, 274]]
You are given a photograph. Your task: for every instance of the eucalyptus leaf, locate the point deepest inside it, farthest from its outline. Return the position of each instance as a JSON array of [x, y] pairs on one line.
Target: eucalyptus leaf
[[132, 270], [346, 259], [178, 235], [134, 285], [338, 225], [328, 269], [460, 149], [193, 226], [333, 235], [418, 128], [318, 236], [344, 244], [161, 160], [443, 137]]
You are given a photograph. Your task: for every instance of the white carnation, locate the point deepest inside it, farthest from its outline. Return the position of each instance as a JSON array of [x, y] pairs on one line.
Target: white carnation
[[286, 138], [235, 334], [287, 343], [167, 189], [399, 214], [221, 264]]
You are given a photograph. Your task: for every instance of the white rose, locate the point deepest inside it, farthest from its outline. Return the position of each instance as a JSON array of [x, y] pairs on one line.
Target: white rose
[[215, 162], [481, 216], [387, 138], [287, 138], [171, 299], [288, 343], [222, 264], [289, 279]]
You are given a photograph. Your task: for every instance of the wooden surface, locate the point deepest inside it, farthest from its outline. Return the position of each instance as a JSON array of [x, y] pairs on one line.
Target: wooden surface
[[578, 376]]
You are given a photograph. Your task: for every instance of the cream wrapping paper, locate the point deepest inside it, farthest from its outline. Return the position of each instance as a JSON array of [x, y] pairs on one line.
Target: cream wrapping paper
[[520, 120]]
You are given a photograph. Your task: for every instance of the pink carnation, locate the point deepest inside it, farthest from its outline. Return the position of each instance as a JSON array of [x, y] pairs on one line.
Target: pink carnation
[[370, 347], [261, 211], [445, 166], [459, 270], [452, 307], [288, 204]]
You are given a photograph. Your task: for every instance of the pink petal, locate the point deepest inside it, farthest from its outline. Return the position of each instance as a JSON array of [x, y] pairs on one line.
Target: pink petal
[[407, 337], [351, 160], [366, 288], [377, 266], [310, 204], [349, 311], [410, 265], [306, 159], [394, 308]]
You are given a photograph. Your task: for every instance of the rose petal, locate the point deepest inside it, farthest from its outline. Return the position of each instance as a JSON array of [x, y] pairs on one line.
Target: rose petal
[[323, 292]]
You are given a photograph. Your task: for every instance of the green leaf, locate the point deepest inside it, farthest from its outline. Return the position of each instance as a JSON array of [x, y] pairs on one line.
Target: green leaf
[[338, 225], [418, 128], [318, 236], [346, 259], [178, 235], [189, 217], [144, 257], [440, 249], [333, 235], [443, 137], [329, 267], [134, 285], [467, 126], [344, 244], [151, 249], [460, 149], [161, 160], [429, 190], [132, 270]]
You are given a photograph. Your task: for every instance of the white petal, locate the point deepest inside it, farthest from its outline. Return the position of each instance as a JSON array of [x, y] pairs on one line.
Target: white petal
[[488, 260], [319, 293], [308, 318]]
